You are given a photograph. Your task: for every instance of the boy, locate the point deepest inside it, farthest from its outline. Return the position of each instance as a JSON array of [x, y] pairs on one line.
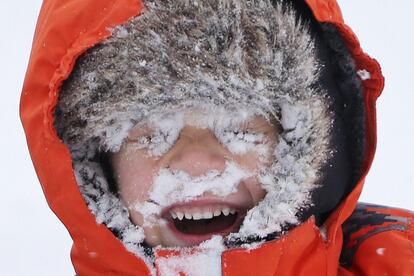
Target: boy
[[210, 134]]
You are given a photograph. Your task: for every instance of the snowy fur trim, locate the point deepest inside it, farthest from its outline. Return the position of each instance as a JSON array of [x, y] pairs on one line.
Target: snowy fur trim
[[179, 54], [228, 53]]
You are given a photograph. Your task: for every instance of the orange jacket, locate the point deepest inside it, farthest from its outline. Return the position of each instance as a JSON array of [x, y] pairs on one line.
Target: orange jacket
[[66, 28]]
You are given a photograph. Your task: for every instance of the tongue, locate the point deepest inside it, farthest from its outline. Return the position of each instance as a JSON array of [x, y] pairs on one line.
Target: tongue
[[205, 226]]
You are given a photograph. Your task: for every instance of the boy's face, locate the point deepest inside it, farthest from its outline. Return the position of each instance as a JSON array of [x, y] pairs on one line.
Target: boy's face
[[201, 185]]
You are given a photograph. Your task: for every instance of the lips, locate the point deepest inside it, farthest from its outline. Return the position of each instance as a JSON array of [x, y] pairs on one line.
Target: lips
[[197, 221]]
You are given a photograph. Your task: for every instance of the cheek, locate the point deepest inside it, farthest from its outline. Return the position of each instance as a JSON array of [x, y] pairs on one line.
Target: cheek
[[255, 189], [134, 176], [252, 161]]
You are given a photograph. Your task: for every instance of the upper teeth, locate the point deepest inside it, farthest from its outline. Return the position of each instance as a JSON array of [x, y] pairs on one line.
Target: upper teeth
[[197, 213]]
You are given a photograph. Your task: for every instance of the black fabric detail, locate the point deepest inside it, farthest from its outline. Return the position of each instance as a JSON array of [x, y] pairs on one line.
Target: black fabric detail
[[108, 171], [363, 218], [335, 175], [349, 84], [235, 243]]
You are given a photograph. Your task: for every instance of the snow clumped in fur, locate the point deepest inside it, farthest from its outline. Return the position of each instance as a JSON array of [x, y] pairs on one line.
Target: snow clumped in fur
[[180, 54]]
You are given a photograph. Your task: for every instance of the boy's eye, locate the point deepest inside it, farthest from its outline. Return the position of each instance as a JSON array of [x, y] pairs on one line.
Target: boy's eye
[[240, 133], [240, 141], [145, 140], [244, 135], [135, 135], [154, 141]]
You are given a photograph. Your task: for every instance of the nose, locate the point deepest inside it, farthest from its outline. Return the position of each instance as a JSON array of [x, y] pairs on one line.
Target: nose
[[197, 154]]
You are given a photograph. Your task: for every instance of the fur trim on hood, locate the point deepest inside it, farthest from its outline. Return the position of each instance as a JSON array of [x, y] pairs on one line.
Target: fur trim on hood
[[230, 54]]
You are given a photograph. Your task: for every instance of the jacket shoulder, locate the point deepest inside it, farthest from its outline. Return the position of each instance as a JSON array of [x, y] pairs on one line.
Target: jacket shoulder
[[377, 240]]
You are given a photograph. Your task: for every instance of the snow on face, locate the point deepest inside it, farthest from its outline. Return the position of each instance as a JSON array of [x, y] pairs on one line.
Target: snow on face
[[178, 187], [159, 131], [157, 134], [170, 187], [226, 154], [287, 179]]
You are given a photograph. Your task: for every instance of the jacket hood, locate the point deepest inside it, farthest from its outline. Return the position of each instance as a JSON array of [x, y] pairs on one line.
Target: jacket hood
[[96, 250], [210, 69]]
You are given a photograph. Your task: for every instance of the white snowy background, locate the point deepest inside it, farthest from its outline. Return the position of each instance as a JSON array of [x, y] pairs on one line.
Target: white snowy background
[[34, 242]]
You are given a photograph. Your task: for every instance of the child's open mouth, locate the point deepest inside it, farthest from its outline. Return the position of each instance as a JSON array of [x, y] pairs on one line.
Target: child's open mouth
[[196, 222]]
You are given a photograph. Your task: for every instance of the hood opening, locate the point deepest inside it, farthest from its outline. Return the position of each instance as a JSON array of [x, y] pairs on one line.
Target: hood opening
[[306, 102]]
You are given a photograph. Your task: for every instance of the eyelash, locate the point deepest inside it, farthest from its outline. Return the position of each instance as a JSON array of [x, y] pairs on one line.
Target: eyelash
[[145, 141], [242, 132], [156, 143], [241, 135]]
